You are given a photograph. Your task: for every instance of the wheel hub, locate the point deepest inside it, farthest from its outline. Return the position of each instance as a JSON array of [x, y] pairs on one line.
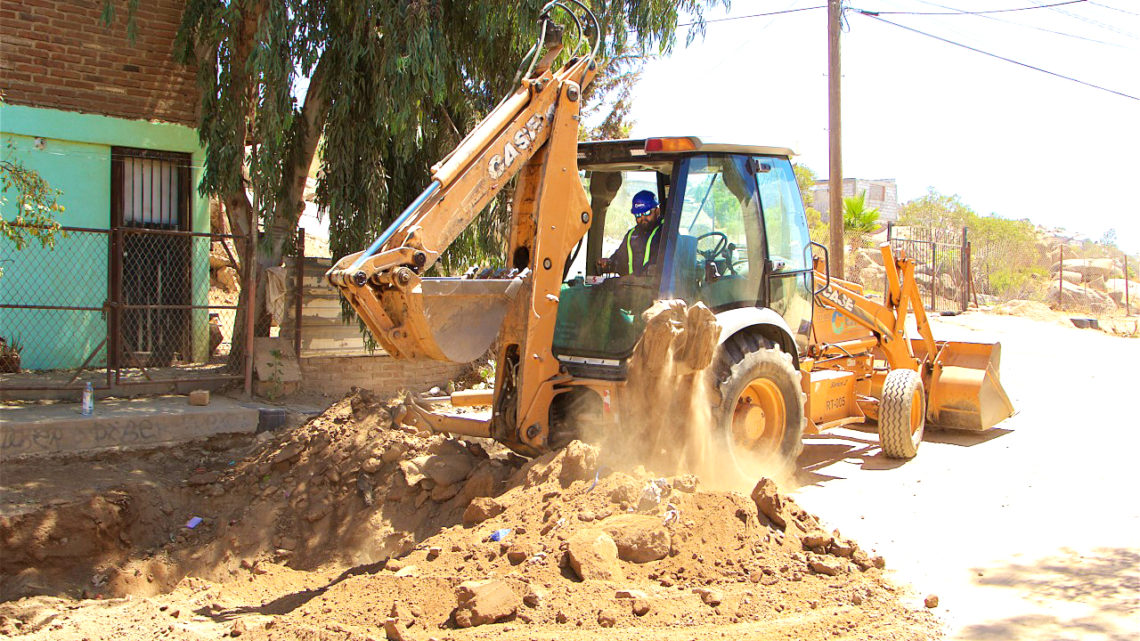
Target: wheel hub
[[759, 417]]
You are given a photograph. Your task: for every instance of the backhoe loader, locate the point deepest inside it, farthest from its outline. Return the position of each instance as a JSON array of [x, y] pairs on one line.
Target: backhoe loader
[[786, 348]]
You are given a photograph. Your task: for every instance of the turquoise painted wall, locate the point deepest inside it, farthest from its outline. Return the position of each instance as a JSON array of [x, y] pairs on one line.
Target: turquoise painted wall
[[76, 159]]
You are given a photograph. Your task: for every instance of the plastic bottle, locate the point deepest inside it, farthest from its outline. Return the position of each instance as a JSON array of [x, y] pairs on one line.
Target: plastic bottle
[[88, 400]]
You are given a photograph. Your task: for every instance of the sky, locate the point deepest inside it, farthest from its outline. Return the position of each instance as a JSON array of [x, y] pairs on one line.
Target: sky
[[1009, 140]]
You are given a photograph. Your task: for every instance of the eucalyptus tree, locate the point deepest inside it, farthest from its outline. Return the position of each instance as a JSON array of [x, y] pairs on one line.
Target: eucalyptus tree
[[381, 89]]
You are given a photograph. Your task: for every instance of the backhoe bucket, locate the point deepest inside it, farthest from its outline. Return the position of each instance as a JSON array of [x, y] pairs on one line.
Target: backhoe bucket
[[462, 317], [965, 386]]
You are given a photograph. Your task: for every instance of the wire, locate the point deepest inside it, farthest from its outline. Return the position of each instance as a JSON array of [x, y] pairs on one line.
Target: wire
[[1105, 6], [994, 55], [1027, 26], [1096, 23], [756, 15], [963, 12]]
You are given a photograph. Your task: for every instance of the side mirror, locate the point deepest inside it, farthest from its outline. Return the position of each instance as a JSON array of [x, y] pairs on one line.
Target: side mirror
[[826, 268]]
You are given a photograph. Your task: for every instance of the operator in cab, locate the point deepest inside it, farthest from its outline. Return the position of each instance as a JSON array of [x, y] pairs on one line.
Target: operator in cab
[[641, 245]]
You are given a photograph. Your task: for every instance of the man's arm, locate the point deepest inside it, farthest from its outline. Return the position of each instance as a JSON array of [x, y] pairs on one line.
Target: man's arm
[[619, 260]]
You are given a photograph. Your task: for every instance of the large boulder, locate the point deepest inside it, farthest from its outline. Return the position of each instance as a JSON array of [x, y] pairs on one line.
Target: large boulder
[[873, 276], [483, 602], [1088, 267], [593, 555], [1078, 298], [640, 538], [1115, 289]]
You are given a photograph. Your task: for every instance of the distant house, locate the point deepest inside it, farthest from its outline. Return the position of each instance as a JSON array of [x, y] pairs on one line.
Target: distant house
[[881, 194], [112, 123]]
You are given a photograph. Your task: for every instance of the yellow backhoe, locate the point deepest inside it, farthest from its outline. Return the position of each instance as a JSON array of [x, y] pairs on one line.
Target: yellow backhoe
[[733, 295]]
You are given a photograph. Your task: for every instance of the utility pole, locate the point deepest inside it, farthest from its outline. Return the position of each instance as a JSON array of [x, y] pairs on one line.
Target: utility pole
[[835, 162]]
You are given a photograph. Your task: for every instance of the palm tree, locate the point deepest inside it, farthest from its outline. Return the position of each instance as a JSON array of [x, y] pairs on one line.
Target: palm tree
[[858, 219]]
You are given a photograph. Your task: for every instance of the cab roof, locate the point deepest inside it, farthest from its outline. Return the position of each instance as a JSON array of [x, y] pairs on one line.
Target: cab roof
[[602, 150]]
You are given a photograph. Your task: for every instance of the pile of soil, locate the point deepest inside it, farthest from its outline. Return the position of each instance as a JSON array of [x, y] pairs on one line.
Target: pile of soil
[[352, 528]]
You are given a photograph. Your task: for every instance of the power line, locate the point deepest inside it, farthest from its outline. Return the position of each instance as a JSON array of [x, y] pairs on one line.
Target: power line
[[1022, 24], [1095, 23], [761, 15], [1105, 6], [963, 12], [994, 55]]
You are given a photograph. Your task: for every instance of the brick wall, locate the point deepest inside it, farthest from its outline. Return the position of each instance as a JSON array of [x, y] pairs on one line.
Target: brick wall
[[59, 54], [334, 375]]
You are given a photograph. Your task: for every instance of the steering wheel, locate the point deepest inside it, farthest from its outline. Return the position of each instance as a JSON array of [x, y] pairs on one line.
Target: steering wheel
[[710, 255]]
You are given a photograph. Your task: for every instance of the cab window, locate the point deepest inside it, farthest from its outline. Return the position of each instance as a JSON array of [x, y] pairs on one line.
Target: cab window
[[719, 249]]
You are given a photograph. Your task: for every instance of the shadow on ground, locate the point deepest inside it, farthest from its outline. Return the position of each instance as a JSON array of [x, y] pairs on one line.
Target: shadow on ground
[[1105, 585]]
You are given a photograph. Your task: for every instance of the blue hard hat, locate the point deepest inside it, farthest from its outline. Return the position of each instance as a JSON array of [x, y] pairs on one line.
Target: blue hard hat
[[643, 201]]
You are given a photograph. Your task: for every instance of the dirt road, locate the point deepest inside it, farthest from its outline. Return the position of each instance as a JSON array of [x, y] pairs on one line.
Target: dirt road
[[1030, 531]]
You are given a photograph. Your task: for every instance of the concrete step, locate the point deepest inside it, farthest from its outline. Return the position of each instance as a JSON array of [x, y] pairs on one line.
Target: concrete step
[[33, 429]]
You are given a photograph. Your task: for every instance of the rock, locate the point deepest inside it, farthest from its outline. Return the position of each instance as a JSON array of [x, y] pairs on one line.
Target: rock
[[710, 596], [287, 454], [483, 602], [481, 483], [320, 509], [873, 276], [1079, 298], [640, 607], [534, 597], [409, 571], [371, 466], [856, 599], [624, 493], [840, 547], [686, 483], [1115, 289], [199, 397], [606, 618], [585, 516], [769, 502], [931, 601], [227, 279], [630, 594], [392, 630], [561, 617], [434, 552], [239, 627], [402, 614], [446, 469], [480, 509], [639, 538], [829, 565], [593, 555], [518, 553], [204, 478], [441, 493], [817, 540], [579, 462], [394, 452]]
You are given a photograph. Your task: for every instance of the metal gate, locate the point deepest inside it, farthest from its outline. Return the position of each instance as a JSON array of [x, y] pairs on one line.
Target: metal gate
[[942, 264]]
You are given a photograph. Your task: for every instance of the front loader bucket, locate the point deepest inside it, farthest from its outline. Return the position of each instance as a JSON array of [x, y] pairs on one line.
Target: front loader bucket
[[965, 387], [462, 317]]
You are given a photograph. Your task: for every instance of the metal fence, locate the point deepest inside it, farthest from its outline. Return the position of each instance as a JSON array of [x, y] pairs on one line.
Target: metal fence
[[942, 264], [121, 307]]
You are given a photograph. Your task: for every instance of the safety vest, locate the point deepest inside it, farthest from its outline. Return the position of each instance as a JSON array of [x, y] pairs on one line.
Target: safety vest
[[648, 246]]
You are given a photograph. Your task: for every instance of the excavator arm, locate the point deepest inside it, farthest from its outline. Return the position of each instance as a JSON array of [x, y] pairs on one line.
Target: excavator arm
[[532, 134]]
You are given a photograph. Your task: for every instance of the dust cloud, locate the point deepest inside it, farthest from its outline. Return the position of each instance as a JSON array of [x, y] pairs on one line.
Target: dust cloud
[[668, 420]]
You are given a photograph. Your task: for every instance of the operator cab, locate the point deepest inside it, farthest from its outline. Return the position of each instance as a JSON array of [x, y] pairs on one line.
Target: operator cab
[[735, 235]]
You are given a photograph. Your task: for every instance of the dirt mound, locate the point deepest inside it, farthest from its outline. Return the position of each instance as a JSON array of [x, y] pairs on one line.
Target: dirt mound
[[351, 528]]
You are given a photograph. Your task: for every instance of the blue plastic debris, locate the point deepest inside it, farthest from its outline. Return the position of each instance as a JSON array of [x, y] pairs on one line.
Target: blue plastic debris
[[194, 522], [499, 535]]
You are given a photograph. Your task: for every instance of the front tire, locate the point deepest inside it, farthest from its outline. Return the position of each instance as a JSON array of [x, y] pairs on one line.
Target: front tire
[[902, 414], [761, 408]]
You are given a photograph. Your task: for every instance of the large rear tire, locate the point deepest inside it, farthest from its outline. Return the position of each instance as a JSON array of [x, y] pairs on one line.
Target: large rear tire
[[760, 414], [902, 414]]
